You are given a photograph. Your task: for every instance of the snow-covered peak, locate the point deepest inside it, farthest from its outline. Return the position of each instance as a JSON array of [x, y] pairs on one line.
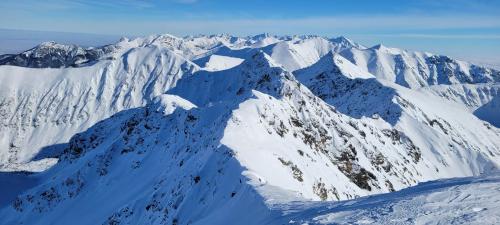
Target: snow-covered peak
[[54, 45], [257, 72], [55, 55], [333, 62], [164, 40], [262, 36], [297, 54], [218, 62], [384, 49], [260, 59], [167, 104], [344, 42], [416, 69], [158, 39]]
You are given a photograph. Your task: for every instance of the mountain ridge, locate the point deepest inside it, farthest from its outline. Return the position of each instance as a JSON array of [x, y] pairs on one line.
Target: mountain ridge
[[196, 145]]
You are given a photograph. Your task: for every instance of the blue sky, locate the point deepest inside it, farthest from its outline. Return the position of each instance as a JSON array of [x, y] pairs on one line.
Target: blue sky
[[467, 29]]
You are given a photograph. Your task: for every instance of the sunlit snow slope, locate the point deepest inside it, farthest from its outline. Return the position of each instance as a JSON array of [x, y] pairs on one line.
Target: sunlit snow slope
[[221, 129]]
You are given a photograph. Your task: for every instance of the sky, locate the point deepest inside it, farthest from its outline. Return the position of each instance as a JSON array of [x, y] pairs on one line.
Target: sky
[[465, 29]]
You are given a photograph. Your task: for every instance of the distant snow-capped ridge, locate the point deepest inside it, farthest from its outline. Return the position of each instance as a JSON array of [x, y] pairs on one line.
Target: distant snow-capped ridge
[[216, 129], [410, 69], [53, 55]]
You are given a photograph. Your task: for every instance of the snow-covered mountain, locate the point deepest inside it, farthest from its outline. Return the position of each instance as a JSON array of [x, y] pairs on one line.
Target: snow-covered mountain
[[53, 55], [480, 99], [217, 129], [43, 107], [416, 69]]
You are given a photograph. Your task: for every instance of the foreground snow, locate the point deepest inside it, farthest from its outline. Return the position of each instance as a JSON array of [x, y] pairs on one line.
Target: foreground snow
[[471, 200]]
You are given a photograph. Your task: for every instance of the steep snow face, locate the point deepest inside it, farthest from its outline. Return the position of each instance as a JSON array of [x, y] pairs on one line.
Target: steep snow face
[[297, 54], [350, 89], [411, 114], [489, 112], [481, 99], [472, 96], [144, 165], [217, 62], [345, 43], [414, 69], [169, 103], [57, 103], [333, 62]]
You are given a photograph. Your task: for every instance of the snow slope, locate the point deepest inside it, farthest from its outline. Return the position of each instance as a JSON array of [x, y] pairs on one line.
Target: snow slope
[[481, 99], [220, 141], [57, 103], [416, 69], [217, 62], [471, 200], [151, 137], [489, 111]]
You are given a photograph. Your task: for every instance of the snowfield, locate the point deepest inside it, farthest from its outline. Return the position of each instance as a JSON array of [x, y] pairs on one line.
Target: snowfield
[[472, 200], [246, 130]]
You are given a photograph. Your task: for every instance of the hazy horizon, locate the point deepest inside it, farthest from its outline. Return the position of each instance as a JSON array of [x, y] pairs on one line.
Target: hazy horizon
[[15, 41], [463, 29]]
